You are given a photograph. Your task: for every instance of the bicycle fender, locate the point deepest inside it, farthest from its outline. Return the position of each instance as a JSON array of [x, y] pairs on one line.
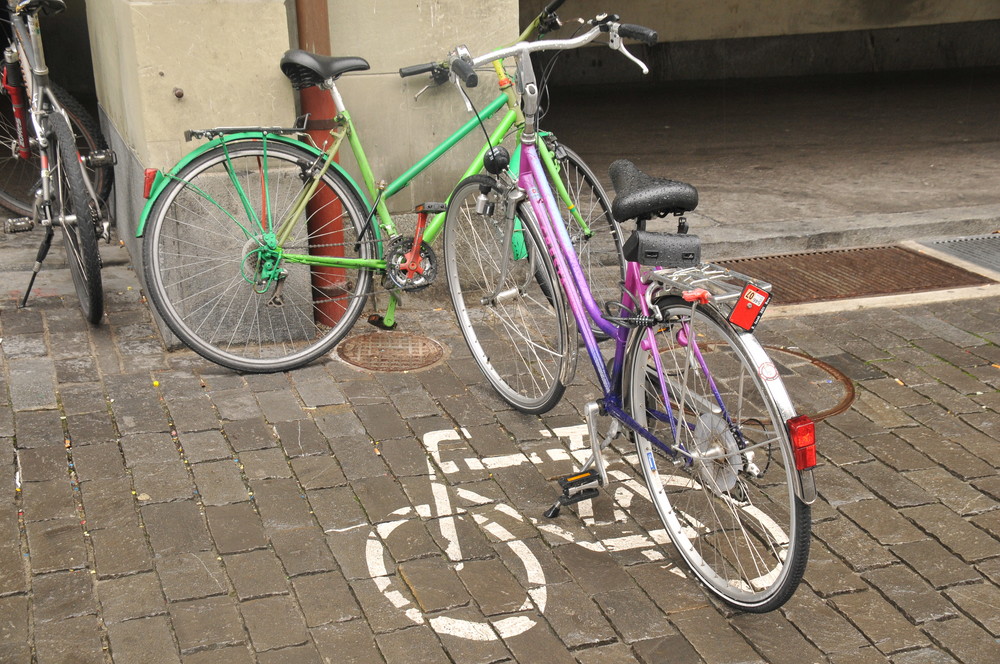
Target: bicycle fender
[[162, 180]]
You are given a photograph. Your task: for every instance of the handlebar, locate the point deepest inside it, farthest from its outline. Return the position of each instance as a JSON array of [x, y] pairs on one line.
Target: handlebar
[[641, 33], [47, 7], [414, 70], [604, 23], [439, 71], [465, 72], [463, 65]]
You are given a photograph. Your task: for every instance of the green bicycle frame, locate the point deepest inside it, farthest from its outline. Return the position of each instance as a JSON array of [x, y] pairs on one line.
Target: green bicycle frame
[[276, 232]]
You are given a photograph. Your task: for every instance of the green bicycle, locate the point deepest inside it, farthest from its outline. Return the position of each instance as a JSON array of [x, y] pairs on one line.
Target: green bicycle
[[261, 250]]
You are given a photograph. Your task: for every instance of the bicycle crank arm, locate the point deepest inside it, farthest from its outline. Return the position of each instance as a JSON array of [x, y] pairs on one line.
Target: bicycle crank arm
[[597, 444]]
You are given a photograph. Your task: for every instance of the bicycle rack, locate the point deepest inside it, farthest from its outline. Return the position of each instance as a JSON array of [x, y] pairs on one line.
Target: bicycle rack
[[725, 285]]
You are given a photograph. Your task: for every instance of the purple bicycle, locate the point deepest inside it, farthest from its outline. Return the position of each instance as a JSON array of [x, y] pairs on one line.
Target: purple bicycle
[[726, 459]]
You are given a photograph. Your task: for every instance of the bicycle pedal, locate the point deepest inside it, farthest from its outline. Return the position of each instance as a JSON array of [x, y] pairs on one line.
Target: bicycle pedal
[[585, 494], [576, 489], [18, 225], [379, 322], [577, 483]]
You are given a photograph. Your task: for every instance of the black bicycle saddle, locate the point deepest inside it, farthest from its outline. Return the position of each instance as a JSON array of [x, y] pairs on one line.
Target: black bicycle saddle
[[640, 196], [305, 69]]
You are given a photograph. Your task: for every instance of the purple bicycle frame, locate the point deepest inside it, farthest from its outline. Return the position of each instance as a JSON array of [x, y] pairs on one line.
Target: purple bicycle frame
[[532, 179]]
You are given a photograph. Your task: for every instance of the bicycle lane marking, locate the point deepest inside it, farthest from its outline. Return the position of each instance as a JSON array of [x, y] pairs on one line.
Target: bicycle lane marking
[[443, 513], [624, 488]]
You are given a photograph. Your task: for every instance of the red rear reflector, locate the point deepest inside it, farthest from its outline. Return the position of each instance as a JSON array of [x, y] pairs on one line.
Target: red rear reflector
[[803, 433], [149, 177]]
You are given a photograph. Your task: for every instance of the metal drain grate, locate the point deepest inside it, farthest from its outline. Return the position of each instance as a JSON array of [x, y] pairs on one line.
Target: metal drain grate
[[850, 273], [390, 351], [982, 250]]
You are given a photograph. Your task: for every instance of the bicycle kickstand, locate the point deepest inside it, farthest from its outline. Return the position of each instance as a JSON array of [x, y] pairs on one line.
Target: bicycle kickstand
[[583, 485], [43, 251], [386, 321]]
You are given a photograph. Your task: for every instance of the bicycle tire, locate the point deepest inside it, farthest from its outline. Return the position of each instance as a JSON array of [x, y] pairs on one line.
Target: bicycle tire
[[599, 251], [521, 340], [19, 178], [203, 257], [76, 217], [740, 527]]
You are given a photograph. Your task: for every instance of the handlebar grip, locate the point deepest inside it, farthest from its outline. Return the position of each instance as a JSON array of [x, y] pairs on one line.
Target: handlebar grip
[[465, 72], [413, 70], [641, 33], [552, 7]]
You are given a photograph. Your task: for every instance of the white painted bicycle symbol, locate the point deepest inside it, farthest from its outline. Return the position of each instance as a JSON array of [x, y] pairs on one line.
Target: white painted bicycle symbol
[[448, 453], [442, 514]]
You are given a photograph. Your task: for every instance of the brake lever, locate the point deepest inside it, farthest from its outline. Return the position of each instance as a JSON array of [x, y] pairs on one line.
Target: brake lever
[[439, 76], [615, 42], [424, 89], [461, 52], [464, 94]]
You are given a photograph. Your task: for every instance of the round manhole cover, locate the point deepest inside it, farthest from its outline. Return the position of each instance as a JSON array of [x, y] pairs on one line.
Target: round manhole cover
[[390, 351]]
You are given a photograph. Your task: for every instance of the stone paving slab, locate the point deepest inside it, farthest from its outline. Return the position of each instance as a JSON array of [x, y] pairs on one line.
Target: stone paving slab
[[161, 509]]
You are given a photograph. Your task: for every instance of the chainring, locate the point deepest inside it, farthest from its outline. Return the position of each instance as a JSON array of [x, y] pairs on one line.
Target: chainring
[[397, 270]]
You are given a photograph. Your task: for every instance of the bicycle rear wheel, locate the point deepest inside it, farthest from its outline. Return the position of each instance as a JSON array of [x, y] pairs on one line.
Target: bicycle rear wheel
[[599, 246], [511, 312], [76, 216], [725, 489], [19, 178], [218, 276]]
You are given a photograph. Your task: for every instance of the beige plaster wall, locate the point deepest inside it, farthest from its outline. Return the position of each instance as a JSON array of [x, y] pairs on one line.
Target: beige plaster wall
[[687, 20], [396, 129], [221, 55]]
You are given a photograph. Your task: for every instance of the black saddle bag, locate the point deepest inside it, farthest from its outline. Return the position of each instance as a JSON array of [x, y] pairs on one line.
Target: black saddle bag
[[675, 250]]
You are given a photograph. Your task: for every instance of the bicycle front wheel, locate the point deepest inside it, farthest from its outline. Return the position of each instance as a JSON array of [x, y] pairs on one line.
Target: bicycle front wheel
[[723, 483], [231, 253], [19, 178], [507, 298], [76, 215]]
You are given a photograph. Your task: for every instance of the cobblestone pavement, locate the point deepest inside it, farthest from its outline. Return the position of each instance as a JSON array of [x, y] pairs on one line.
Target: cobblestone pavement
[[161, 509]]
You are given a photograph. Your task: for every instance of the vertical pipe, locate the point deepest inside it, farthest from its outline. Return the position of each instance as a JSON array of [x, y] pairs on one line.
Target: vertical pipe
[[313, 23], [323, 211]]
